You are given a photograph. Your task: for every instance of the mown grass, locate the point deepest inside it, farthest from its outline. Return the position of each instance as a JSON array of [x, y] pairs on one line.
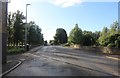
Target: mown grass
[[15, 50]]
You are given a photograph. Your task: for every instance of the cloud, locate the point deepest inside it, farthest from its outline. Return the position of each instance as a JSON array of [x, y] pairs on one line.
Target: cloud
[[20, 4], [69, 3], [66, 3], [101, 1]]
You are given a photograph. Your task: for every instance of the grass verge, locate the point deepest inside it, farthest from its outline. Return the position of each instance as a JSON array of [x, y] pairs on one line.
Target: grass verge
[[15, 50]]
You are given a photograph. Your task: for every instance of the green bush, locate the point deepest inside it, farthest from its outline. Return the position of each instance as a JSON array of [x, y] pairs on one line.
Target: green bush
[[66, 44], [111, 45], [15, 51]]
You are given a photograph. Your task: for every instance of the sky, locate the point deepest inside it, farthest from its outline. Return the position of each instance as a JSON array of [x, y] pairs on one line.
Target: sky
[[91, 15]]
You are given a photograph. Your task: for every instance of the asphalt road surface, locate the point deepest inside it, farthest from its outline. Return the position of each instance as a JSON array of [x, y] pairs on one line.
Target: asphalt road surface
[[61, 61]]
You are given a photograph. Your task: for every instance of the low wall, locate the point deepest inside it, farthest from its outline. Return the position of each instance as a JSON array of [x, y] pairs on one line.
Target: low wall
[[33, 46], [105, 50]]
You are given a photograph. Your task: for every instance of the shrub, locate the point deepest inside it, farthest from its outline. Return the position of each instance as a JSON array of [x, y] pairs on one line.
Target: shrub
[[111, 45], [66, 44]]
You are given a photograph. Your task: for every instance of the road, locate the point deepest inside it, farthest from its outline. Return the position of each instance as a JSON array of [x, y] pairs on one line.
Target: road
[[61, 61]]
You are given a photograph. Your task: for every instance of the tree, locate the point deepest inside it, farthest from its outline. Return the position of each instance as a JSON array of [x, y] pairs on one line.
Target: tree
[[113, 40], [19, 27], [110, 37], [96, 36], [31, 33], [40, 39], [75, 36], [10, 28], [45, 43], [51, 42], [88, 38], [60, 36], [114, 28], [103, 36], [34, 34], [15, 27], [16, 30]]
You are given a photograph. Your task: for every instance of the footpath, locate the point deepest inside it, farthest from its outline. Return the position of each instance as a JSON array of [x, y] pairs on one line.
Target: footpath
[[13, 61]]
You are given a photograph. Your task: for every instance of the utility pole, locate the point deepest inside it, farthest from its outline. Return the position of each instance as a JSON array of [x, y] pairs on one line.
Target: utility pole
[[3, 32]]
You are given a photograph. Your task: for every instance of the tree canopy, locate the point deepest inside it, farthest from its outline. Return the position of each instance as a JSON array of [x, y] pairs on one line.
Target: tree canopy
[[16, 30], [60, 36], [75, 36], [88, 38], [15, 27], [110, 37], [34, 34]]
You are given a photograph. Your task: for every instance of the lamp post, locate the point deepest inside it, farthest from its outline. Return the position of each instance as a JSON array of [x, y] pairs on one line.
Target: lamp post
[[26, 29], [118, 15]]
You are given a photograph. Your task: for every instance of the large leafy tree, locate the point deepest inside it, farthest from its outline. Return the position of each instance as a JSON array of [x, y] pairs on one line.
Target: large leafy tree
[[15, 28], [39, 35], [34, 34], [110, 37], [96, 36], [19, 27], [60, 36], [103, 36], [113, 40], [51, 42], [75, 36], [10, 30], [114, 28], [88, 38], [31, 33]]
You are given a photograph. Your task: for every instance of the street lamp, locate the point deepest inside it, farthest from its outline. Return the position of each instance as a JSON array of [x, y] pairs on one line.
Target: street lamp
[[118, 15], [26, 29]]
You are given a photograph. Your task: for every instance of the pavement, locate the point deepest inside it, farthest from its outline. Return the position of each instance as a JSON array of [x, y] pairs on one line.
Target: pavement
[[56, 61], [10, 66], [13, 61]]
